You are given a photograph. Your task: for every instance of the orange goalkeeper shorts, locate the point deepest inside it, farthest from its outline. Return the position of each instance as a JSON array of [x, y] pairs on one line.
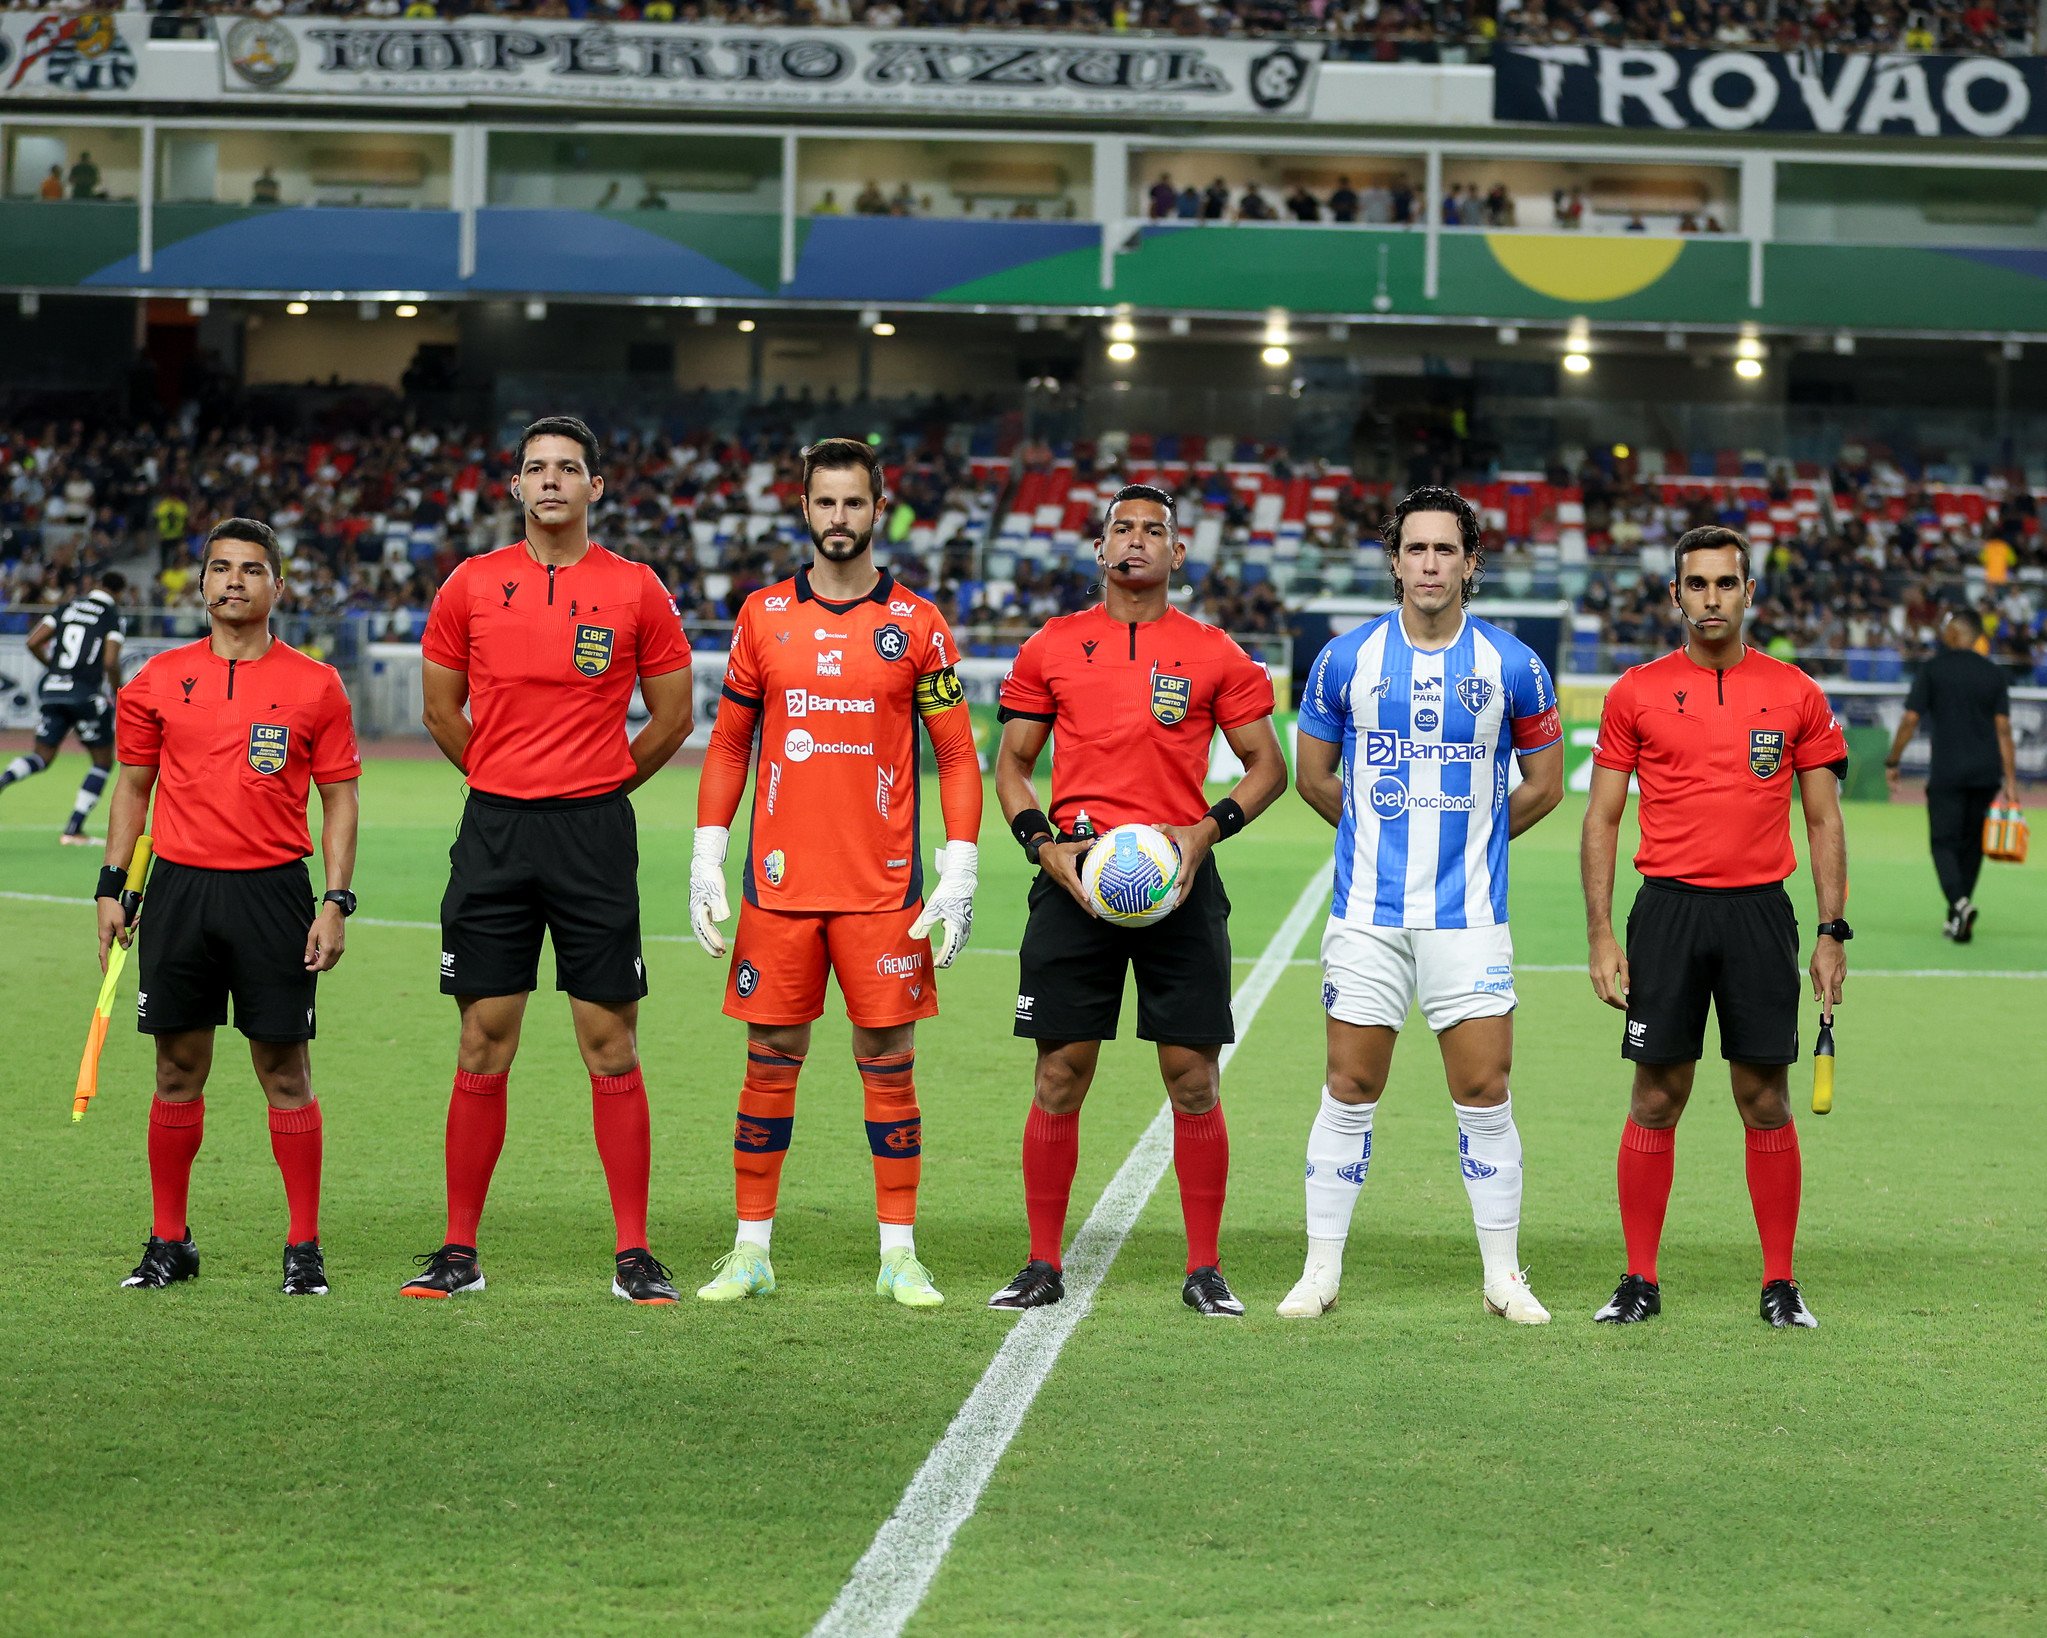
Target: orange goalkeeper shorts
[[780, 959]]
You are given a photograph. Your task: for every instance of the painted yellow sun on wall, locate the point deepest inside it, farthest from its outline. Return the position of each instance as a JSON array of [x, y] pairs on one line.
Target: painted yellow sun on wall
[[1581, 267]]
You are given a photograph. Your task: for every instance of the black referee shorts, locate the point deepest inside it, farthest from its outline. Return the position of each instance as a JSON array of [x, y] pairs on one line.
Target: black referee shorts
[[206, 935], [1736, 948], [1070, 978], [564, 866]]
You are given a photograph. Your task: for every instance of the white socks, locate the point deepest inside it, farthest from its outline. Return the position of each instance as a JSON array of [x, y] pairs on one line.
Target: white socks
[[898, 1236], [1339, 1154], [1489, 1153], [755, 1233]]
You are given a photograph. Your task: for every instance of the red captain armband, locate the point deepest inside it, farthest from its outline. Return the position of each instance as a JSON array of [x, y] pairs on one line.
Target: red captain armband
[[1534, 733]]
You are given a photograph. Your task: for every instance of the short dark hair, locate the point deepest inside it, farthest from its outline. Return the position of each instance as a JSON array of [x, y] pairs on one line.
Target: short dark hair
[[561, 426], [843, 455], [1969, 617], [113, 581], [256, 533], [1142, 492], [1434, 498], [1711, 538]]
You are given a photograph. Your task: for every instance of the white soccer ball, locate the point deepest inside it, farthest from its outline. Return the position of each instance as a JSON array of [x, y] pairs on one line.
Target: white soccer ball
[[1132, 876]]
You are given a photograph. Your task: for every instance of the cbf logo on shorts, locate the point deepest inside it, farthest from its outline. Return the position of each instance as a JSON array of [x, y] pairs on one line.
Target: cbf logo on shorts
[[593, 650], [1170, 697], [1765, 751], [269, 746]]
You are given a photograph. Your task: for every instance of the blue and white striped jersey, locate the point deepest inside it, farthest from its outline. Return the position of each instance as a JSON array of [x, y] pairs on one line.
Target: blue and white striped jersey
[[1426, 736]]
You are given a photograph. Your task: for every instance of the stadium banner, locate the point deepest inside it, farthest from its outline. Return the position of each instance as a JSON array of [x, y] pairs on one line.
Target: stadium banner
[[798, 69], [1861, 93], [72, 54]]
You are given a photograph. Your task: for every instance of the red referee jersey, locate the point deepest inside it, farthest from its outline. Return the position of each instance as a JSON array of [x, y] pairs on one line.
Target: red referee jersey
[[1714, 752], [1134, 706], [552, 655], [236, 745]]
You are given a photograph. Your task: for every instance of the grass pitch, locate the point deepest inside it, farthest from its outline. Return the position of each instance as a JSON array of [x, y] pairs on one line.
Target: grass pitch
[[543, 1458]]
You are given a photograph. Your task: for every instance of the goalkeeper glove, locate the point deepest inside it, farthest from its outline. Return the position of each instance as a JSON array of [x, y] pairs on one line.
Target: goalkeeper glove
[[707, 906], [949, 906]]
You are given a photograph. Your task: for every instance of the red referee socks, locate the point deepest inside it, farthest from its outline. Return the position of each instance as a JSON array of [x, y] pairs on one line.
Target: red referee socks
[[295, 1141], [625, 1143], [760, 1134], [1051, 1150], [1775, 1178], [174, 1133], [895, 1133], [476, 1136], [1201, 1162], [1648, 1160]]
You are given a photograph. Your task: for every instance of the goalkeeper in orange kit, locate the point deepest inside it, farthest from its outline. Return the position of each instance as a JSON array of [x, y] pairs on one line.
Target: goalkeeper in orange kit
[[835, 667]]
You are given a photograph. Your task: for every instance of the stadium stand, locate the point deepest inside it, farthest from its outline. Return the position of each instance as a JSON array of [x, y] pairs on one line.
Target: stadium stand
[[1421, 28], [1857, 560]]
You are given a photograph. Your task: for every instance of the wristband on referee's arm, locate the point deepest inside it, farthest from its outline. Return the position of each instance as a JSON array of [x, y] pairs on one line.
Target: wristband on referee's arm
[[1030, 825], [1229, 817], [113, 882]]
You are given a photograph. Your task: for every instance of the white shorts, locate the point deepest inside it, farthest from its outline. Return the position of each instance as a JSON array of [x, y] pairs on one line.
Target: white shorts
[[1372, 975]]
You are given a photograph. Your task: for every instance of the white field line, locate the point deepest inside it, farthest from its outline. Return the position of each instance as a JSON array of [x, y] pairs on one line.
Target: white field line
[[893, 1575], [1240, 961]]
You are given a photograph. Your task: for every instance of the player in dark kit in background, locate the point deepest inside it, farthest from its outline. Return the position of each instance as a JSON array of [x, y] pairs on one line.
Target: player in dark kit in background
[[229, 733], [542, 641], [1714, 733], [1966, 701], [79, 648], [1133, 690]]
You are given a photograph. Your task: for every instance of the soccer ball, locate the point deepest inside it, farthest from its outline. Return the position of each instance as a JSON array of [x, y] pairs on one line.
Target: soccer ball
[[1132, 876]]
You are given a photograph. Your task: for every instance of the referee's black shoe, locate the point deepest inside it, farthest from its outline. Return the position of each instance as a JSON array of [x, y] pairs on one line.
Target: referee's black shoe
[[1208, 1292], [640, 1278], [305, 1270], [444, 1273], [1037, 1285], [165, 1262], [1633, 1300], [1784, 1306]]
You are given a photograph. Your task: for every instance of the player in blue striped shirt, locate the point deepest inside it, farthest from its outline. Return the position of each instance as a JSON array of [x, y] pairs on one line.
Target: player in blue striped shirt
[[1407, 725]]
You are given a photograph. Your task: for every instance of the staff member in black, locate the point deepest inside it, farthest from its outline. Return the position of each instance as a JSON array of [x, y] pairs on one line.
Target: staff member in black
[[1965, 700]]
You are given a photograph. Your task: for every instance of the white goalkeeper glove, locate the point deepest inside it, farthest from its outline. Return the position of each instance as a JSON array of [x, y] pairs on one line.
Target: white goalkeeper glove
[[949, 907], [707, 906]]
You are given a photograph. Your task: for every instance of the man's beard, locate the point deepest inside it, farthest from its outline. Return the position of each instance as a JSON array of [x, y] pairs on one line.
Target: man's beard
[[838, 549]]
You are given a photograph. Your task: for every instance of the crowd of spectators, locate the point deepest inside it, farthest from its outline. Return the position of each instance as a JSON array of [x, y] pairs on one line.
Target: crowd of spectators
[[373, 521], [1383, 29]]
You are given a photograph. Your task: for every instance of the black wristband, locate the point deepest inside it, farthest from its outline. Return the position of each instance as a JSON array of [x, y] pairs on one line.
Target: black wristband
[[1229, 817], [1029, 825], [113, 882]]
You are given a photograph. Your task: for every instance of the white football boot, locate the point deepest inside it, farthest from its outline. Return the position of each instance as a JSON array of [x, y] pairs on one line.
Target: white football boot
[[1511, 1299]]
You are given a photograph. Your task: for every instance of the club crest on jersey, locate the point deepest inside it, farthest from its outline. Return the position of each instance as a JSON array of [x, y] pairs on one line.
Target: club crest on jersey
[[1170, 697], [1475, 693], [891, 642], [1765, 751], [593, 650], [269, 746]]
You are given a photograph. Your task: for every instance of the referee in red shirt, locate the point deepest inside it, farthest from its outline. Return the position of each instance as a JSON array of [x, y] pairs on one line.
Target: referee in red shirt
[[229, 734], [543, 642], [1714, 734], [1133, 691]]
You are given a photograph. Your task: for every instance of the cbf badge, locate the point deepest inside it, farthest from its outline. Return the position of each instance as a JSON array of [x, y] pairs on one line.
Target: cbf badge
[[269, 746], [1765, 751], [593, 650], [1171, 694]]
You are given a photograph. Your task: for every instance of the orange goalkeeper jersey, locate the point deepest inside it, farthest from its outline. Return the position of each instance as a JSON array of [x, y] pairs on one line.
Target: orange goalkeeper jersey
[[837, 690]]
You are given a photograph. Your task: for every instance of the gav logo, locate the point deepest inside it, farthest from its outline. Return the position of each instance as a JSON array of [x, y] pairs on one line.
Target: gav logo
[[777, 605]]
